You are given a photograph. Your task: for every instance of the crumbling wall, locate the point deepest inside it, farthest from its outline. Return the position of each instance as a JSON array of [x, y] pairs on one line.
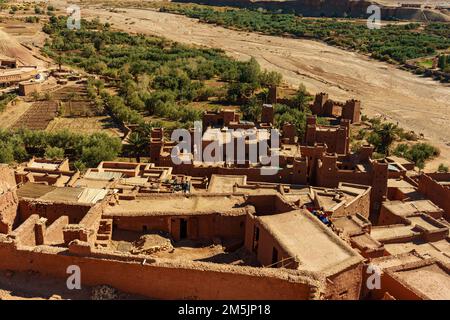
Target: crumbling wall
[[52, 211], [54, 233], [345, 285], [165, 279], [8, 199], [25, 234], [8, 211]]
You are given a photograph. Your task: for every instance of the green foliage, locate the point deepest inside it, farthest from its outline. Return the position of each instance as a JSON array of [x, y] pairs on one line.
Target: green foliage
[[382, 136], [286, 114], [418, 153], [32, 19], [54, 152], [444, 62], [302, 98], [88, 150], [138, 143], [442, 168]]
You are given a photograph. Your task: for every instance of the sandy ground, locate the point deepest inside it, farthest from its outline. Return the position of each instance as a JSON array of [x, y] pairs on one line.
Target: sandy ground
[[418, 104]]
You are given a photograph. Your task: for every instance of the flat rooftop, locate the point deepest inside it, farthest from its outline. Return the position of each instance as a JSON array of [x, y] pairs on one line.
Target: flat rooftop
[[396, 260], [225, 183], [392, 231], [431, 280], [62, 194], [411, 207], [350, 224], [439, 249], [218, 134], [16, 71], [316, 247], [171, 204]]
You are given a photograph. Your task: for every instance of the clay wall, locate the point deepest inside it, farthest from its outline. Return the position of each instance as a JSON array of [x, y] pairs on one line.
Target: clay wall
[[8, 211], [164, 280], [8, 199], [20, 75], [284, 175], [345, 285], [25, 234], [26, 89], [207, 226], [437, 193], [387, 217], [264, 246], [54, 233], [52, 211], [336, 138], [360, 204]]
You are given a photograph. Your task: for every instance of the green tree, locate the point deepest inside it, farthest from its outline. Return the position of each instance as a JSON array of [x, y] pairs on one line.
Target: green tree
[[302, 98], [54, 153], [442, 168], [442, 62], [138, 143], [6, 153], [383, 136]]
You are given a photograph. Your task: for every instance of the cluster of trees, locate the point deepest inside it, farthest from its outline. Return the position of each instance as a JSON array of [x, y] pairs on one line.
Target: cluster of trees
[[84, 150], [383, 135], [417, 153], [390, 43]]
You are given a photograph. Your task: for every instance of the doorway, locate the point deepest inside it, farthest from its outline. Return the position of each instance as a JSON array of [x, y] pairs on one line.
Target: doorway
[[183, 229]]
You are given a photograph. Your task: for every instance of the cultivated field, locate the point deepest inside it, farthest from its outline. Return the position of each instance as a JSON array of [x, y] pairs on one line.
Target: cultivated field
[[85, 125]]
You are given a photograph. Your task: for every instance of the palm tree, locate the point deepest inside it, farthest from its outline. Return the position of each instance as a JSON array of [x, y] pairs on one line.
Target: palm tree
[[387, 133], [302, 98], [138, 143]]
